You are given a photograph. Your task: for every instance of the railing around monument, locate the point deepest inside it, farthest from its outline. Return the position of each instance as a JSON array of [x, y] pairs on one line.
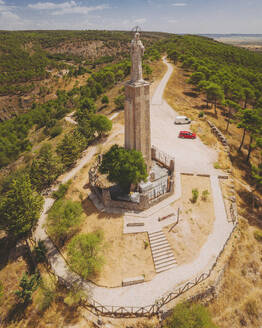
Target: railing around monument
[[161, 156]]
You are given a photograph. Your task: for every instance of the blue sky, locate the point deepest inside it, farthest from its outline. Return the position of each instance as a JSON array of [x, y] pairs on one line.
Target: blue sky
[[176, 16]]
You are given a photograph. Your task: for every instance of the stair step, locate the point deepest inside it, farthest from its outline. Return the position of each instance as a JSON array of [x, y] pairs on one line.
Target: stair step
[[164, 257], [160, 242], [154, 232], [165, 268], [165, 264], [156, 238], [158, 251], [159, 246], [151, 234], [165, 261], [164, 253]]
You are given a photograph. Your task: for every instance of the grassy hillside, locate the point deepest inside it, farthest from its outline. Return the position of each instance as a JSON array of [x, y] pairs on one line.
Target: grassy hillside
[[34, 64]]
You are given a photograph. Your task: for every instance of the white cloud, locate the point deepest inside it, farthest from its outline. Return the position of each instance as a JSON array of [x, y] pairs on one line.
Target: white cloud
[[51, 5], [179, 4], [65, 8], [79, 10], [4, 7]]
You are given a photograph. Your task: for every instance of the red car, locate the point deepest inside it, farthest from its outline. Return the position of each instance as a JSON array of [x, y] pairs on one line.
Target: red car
[[187, 135]]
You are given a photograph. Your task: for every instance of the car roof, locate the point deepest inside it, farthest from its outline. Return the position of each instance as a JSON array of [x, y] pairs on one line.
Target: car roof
[[185, 132], [181, 117]]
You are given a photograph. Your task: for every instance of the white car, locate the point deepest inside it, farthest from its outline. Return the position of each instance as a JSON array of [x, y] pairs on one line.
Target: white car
[[182, 120]]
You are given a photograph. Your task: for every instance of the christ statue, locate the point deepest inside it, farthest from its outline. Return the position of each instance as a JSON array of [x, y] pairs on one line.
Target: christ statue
[[137, 51]]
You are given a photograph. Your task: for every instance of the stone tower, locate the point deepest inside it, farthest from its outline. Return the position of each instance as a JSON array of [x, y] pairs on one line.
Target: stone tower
[[137, 106]]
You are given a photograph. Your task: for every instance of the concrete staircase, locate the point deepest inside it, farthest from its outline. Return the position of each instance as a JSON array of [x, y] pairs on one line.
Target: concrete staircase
[[161, 251]]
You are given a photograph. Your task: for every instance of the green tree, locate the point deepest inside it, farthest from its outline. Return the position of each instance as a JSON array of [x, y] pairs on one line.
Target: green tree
[[101, 124], [1, 291], [187, 315], [62, 190], [70, 147], [197, 77], [27, 286], [86, 128], [105, 100], [63, 220], [249, 96], [45, 168], [215, 94], [120, 102], [87, 108], [84, 252], [254, 127], [231, 105], [124, 166], [20, 208]]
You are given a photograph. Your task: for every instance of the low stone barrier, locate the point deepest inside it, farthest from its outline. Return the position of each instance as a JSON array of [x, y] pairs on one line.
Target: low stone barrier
[[223, 176], [136, 224], [166, 217], [219, 135], [203, 175], [133, 281]]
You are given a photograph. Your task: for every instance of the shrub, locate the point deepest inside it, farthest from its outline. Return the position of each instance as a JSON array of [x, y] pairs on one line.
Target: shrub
[[216, 165], [40, 252], [55, 131], [1, 290], [47, 293], [187, 315], [63, 219], [195, 194], [74, 297], [105, 100], [204, 195], [120, 101], [62, 190], [201, 114], [27, 286], [84, 252], [258, 235]]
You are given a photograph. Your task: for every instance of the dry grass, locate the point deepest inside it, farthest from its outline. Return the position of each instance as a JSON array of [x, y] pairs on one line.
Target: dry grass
[[196, 220], [240, 299], [125, 255]]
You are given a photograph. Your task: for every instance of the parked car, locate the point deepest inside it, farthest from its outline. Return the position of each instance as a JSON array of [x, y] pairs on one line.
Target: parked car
[[187, 135], [182, 120]]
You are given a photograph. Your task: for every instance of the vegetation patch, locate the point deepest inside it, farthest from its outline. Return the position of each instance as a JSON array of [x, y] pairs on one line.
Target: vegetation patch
[[63, 220], [186, 315], [84, 253]]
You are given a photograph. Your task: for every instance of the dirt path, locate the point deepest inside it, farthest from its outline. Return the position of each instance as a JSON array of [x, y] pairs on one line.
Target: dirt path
[[165, 137]]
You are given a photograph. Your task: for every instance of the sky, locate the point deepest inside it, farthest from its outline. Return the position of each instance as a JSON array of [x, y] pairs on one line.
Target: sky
[[175, 16]]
